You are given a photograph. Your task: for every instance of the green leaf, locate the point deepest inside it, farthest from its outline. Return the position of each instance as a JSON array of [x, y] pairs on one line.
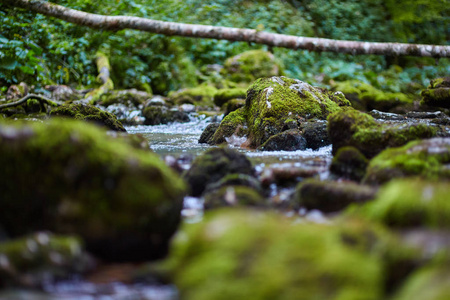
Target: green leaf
[[9, 63], [27, 70]]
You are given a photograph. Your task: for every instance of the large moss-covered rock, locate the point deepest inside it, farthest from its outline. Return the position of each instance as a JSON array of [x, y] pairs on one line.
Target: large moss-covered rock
[[236, 254], [427, 158], [89, 113], [131, 97], [224, 95], [350, 127], [70, 177], [274, 103], [411, 203], [213, 165], [40, 258], [437, 93], [363, 96], [349, 163], [251, 65]]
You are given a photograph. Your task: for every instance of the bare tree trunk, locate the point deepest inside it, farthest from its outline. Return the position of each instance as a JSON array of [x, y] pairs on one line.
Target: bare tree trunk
[[115, 23]]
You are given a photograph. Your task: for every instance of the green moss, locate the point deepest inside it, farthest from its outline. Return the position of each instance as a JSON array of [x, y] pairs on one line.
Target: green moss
[[251, 65], [427, 159], [429, 283], [233, 123], [233, 196], [236, 254], [202, 95], [411, 203], [366, 97], [223, 95], [89, 113], [350, 163], [84, 182], [127, 97], [354, 128]]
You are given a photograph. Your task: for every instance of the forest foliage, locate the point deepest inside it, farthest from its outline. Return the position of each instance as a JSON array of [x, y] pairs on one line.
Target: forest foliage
[[41, 50]]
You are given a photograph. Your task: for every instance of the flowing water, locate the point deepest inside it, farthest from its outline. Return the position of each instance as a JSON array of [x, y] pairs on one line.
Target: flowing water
[[180, 140]]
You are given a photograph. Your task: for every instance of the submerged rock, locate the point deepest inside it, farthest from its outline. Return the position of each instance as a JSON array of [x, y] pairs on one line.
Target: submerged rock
[[330, 196], [237, 254], [69, 177], [41, 258], [350, 127], [214, 164], [437, 93], [89, 113], [273, 105], [251, 65], [413, 202], [428, 159]]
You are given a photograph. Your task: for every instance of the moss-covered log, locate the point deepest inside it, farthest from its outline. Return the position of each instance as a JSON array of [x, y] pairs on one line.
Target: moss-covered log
[[40, 98]]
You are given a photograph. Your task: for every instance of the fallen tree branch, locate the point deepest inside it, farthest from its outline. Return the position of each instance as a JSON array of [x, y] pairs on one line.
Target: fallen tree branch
[[40, 98], [104, 69], [115, 23]]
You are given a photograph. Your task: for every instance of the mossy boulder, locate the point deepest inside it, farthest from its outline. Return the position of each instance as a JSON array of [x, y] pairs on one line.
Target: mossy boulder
[[155, 115], [428, 159], [363, 96], [404, 203], [202, 95], [315, 133], [429, 283], [349, 163], [232, 105], [89, 113], [68, 176], [214, 164], [438, 93], [288, 140], [251, 65], [274, 103], [350, 127], [208, 133], [238, 254], [331, 196], [224, 95], [40, 258]]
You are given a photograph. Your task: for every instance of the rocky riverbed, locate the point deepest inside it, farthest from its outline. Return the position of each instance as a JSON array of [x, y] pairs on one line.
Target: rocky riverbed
[[288, 192]]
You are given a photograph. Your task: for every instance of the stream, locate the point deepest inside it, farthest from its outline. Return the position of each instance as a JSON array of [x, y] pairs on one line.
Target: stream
[[178, 141]]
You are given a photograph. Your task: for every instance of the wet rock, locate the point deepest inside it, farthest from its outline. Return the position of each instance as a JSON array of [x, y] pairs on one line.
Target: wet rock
[[125, 114], [350, 127], [315, 134], [213, 165], [406, 203], [288, 173], [239, 254], [427, 158], [155, 115], [233, 195], [365, 97], [224, 95], [438, 93], [289, 140], [17, 91], [63, 93], [251, 65], [41, 258], [236, 180], [125, 203], [274, 102], [207, 133], [331, 196], [349, 163], [89, 113]]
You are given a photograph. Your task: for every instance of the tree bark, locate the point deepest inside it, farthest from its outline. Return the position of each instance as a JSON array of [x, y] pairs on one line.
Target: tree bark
[[104, 69], [40, 98], [115, 23]]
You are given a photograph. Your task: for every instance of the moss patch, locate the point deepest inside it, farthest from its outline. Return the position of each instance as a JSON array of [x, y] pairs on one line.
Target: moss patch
[[428, 159], [89, 113], [202, 95]]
